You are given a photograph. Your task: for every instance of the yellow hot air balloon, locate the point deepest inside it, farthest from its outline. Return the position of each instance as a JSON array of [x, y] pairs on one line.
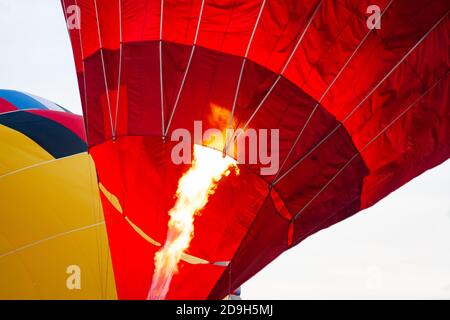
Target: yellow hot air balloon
[[53, 242]]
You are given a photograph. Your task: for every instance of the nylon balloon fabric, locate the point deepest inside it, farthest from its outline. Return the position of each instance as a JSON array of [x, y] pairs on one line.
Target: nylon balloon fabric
[[360, 112], [51, 219]]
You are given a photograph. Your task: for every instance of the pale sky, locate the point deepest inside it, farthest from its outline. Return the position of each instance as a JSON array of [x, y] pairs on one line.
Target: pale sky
[[399, 248]]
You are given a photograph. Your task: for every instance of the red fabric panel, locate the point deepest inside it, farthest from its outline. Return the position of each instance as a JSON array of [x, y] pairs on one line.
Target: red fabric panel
[[288, 109], [226, 25], [317, 190], [307, 179], [259, 247], [99, 25], [140, 20], [417, 140], [411, 79], [139, 171], [82, 90], [226, 218], [120, 109], [96, 107], [130, 254], [215, 76], [404, 23], [71, 121], [108, 23], [74, 37], [336, 31], [89, 28], [281, 25], [6, 106], [140, 77], [92, 110], [107, 116], [279, 204], [308, 224], [331, 183], [180, 20], [216, 81], [175, 59], [290, 237], [413, 144]]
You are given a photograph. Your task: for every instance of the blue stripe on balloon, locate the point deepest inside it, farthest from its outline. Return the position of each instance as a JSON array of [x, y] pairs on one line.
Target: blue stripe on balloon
[[20, 100]]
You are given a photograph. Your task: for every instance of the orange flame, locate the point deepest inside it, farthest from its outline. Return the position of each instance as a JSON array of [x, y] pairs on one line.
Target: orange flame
[[194, 189]]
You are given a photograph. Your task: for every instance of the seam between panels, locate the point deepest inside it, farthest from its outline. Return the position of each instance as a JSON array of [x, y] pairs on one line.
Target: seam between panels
[[244, 238], [179, 64], [261, 66], [49, 238], [324, 94], [119, 67], [335, 39], [93, 185], [388, 74], [183, 79], [422, 86], [279, 75], [287, 62], [161, 78], [415, 73], [321, 223], [101, 49], [270, 52], [22, 110], [155, 41], [317, 226], [146, 18], [221, 53], [243, 63], [283, 201], [406, 62], [107, 255], [86, 122], [86, 126], [360, 151], [40, 164]]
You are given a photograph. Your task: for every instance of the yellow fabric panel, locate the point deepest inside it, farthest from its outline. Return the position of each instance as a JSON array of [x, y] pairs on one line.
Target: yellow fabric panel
[[40, 272], [111, 198], [51, 218], [18, 151]]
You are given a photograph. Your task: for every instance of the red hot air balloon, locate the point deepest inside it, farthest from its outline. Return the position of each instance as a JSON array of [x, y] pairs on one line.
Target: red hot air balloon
[[360, 112]]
